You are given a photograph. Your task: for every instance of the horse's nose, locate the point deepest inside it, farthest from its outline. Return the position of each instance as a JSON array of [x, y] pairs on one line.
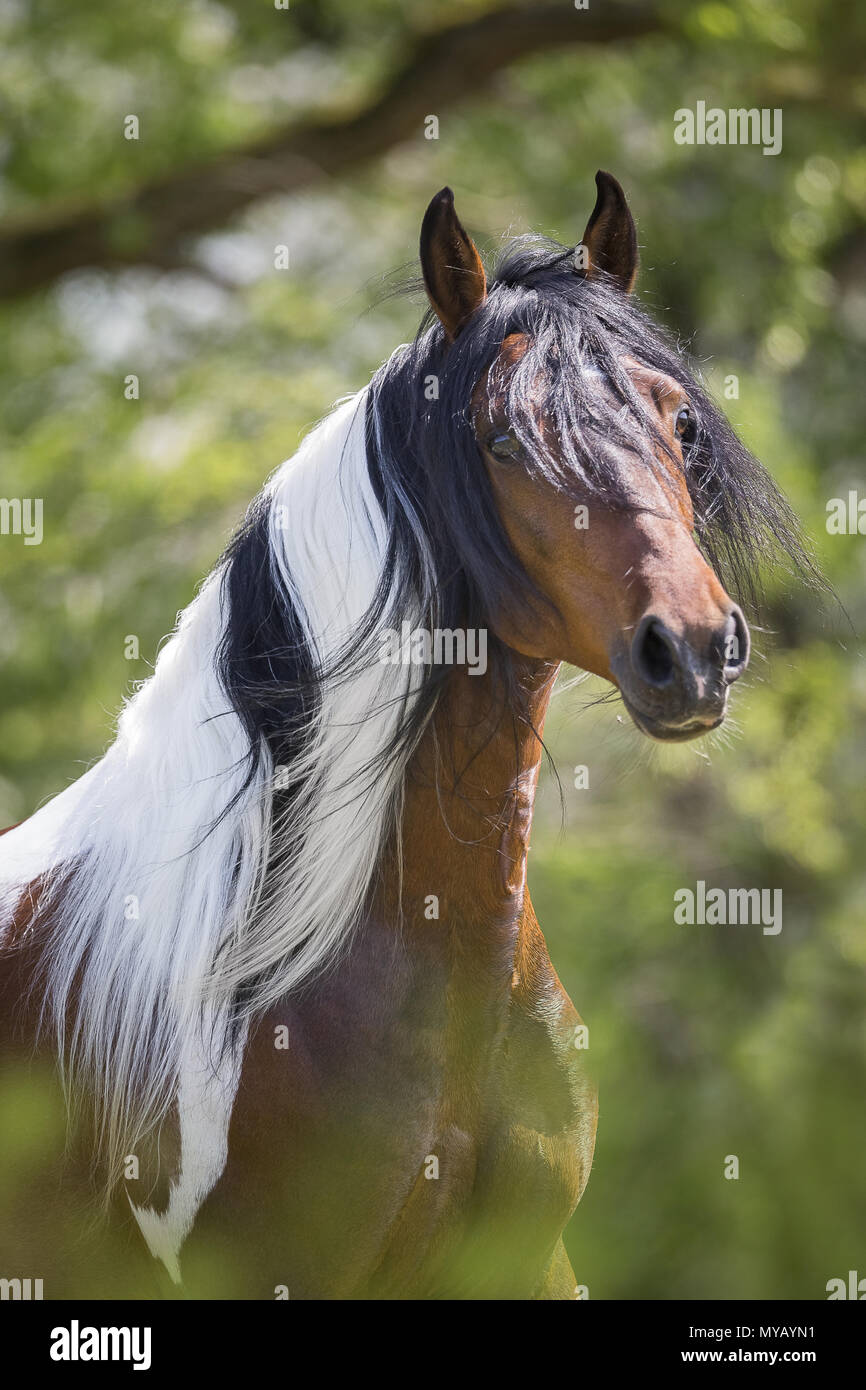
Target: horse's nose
[[735, 647], [677, 681], [661, 659], [655, 655]]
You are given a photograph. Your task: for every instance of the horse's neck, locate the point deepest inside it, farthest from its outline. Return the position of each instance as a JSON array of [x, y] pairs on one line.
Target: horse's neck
[[469, 796]]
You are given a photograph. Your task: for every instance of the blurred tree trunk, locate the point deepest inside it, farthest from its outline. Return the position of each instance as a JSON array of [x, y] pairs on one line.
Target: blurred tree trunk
[[152, 224]]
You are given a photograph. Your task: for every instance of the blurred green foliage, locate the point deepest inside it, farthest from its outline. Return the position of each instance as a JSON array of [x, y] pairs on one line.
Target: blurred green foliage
[[705, 1041]]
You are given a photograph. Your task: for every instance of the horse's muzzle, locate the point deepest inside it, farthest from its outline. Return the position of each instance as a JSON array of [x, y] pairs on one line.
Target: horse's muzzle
[[676, 687]]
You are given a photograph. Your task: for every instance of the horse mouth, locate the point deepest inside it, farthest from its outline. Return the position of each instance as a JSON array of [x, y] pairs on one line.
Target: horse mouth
[[678, 731]]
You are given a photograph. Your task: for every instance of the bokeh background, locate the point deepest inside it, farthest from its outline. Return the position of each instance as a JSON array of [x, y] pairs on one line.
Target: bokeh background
[[305, 127]]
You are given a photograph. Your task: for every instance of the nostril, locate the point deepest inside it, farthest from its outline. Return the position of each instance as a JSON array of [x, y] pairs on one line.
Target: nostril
[[736, 646], [653, 653]]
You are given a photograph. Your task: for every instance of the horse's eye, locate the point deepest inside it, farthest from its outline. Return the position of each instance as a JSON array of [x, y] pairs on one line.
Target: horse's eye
[[503, 445], [685, 425]]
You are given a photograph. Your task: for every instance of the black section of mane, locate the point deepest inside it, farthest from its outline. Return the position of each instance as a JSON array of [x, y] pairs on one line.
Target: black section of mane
[[264, 662]]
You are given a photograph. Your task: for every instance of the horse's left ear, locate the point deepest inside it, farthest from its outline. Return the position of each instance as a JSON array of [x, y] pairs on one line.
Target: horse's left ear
[[453, 273], [610, 238]]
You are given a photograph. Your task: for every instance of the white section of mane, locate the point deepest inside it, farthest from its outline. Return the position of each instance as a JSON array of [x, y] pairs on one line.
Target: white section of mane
[[162, 911]]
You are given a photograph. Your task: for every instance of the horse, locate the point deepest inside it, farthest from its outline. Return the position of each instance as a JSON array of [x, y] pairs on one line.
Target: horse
[[278, 942]]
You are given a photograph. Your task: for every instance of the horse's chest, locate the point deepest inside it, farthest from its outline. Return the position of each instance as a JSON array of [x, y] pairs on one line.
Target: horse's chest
[[393, 1138], [506, 1158]]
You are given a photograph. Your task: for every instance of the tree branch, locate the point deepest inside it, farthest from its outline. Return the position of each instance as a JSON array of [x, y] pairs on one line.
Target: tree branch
[[151, 225]]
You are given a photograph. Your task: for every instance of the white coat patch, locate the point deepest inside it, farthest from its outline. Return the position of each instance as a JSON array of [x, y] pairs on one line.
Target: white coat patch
[[206, 1099]]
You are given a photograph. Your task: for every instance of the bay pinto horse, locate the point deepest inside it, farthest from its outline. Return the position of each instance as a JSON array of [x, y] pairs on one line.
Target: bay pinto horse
[[279, 936]]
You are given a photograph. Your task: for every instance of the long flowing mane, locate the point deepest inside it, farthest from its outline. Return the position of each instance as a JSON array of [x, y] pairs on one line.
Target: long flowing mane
[[222, 850]]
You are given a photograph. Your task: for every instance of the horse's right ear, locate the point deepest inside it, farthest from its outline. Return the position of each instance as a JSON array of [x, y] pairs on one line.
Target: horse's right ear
[[453, 273], [610, 240]]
